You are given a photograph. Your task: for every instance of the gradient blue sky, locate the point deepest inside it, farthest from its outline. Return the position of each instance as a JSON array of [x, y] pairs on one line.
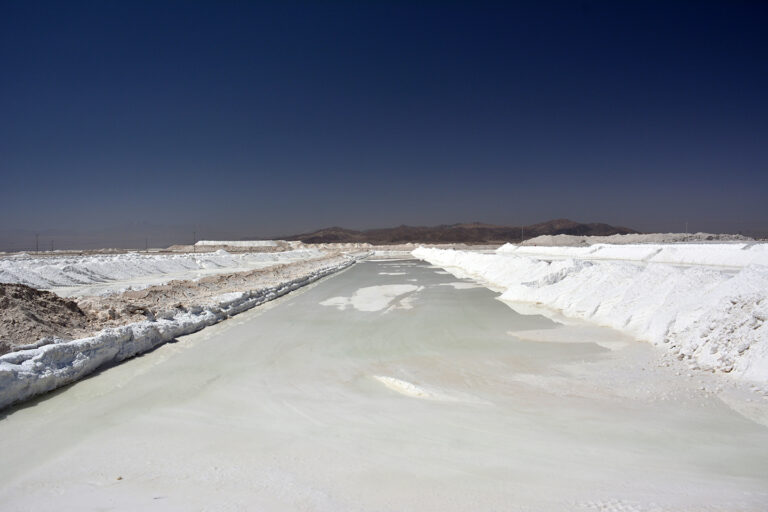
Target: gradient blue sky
[[269, 118]]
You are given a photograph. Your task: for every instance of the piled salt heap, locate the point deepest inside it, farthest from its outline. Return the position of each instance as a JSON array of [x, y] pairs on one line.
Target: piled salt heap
[[44, 367], [57, 271], [733, 255], [705, 303], [633, 238]]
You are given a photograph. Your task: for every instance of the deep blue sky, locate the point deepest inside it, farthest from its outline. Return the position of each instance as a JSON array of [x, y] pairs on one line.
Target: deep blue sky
[[264, 119]]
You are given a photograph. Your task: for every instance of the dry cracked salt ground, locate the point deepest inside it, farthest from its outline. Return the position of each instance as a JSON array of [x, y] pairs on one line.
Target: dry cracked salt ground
[[456, 403]]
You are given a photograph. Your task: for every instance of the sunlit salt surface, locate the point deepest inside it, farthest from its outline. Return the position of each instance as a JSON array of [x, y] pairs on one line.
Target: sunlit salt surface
[[458, 403]]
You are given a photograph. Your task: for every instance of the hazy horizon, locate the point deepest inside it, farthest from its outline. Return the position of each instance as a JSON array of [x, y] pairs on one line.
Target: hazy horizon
[[136, 235]]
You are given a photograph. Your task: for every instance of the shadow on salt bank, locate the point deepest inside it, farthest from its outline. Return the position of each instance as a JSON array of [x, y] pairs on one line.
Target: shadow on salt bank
[[462, 285], [439, 270], [600, 336], [744, 403], [377, 298], [566, 329]]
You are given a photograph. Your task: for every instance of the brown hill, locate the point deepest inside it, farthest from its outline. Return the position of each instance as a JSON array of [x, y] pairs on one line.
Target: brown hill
[[472, 233]]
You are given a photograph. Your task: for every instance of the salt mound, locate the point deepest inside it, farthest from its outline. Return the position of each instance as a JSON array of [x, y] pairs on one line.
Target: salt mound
[[54, 363], [59, 271], [634, 238], [714, 318], [736, 255]]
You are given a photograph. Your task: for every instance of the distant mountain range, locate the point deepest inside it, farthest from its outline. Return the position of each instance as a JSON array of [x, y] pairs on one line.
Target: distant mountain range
[[473, 233]]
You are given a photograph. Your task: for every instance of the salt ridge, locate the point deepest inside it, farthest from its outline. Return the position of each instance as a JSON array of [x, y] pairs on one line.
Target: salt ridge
[[28, 373], [713, 318], [737, 255], [60, 271]]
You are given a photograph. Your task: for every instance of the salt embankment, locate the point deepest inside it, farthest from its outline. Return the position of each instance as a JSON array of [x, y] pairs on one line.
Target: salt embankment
[[27, 373], [51, 272], [714, 318]]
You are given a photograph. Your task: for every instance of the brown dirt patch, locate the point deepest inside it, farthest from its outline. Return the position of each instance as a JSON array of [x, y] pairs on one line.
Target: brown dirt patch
[[27, 315]]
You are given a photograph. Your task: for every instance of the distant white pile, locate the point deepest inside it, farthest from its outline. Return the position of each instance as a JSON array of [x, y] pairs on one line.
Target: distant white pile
[[236, 243], [735, 255], [634, 238], [60, 271], [706, 303]]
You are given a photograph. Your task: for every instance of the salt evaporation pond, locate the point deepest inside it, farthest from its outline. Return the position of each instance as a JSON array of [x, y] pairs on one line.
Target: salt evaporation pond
[[390, 386]]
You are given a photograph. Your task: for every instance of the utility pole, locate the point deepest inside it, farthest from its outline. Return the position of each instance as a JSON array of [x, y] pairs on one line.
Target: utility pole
[[37, 242], [194, 240], [51, 245]]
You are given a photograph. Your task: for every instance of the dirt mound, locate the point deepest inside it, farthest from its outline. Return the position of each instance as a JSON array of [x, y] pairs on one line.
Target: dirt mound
[[27, 314]]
